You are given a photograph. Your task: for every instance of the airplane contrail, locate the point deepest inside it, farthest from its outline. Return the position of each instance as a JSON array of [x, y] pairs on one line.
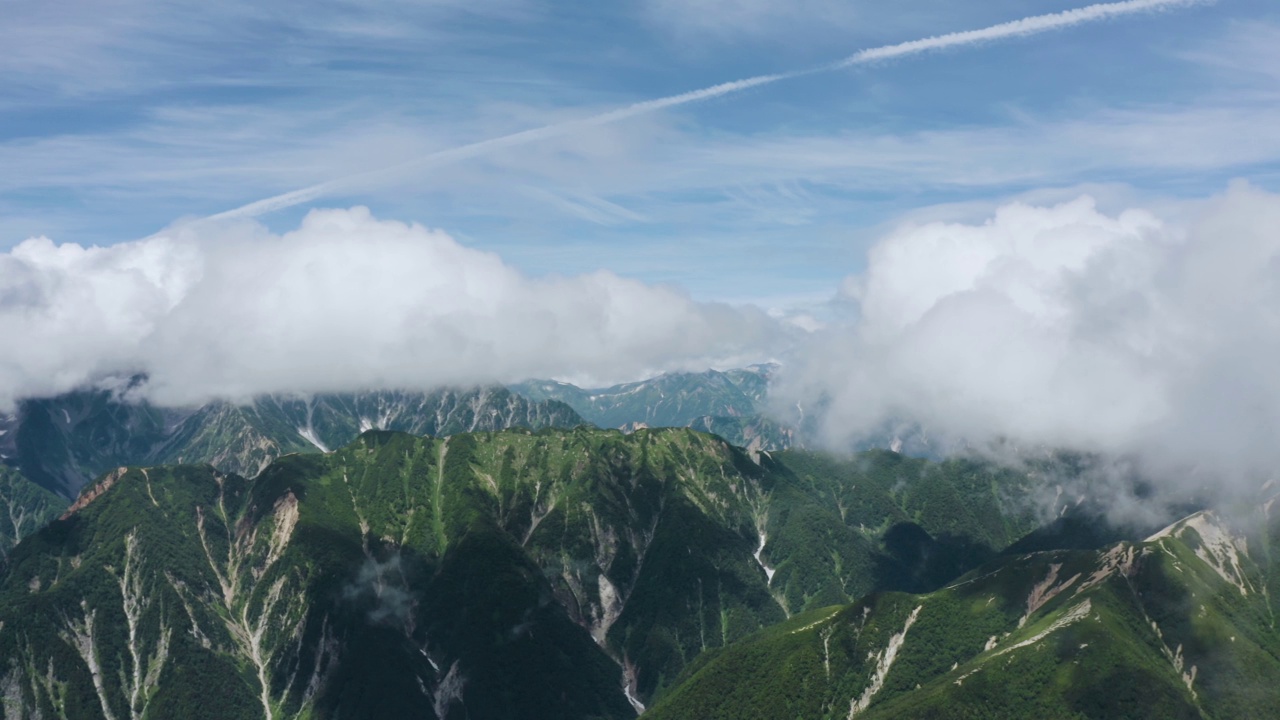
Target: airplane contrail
[[1016, 28]]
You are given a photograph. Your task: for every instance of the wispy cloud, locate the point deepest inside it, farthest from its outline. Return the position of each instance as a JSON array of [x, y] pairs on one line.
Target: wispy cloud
[[86, 48], [1017, 28], [753, 18]]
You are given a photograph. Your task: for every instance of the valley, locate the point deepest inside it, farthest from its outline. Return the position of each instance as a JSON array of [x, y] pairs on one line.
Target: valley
[[473, 554]]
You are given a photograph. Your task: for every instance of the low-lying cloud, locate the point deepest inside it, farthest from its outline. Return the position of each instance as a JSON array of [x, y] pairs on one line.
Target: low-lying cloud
[[1127, 334], [345, 302], [1066, 327]]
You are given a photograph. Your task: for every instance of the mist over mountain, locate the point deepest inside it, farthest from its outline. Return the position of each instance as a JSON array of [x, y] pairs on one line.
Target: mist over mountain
[[233, 311], [1022, 329], [683, 360], [1066, 327]]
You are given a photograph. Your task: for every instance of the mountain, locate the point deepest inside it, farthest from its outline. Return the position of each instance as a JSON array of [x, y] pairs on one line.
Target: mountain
[[670, 400], [482, 575], [61, 443], [25, 507], [727, 403], [245, 439], [755, 432], [1180, 625]]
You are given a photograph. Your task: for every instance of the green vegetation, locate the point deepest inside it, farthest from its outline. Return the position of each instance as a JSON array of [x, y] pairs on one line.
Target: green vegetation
[[483, 575], [24, 508], [497, 574], [1179, 626]]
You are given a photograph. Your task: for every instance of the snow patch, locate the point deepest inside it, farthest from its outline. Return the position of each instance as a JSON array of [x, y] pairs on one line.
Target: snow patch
[[309, 434], [629, 680], [768, 571]]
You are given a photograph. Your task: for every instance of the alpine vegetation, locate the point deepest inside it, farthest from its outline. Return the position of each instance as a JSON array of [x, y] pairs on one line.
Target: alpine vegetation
[[541, 369]]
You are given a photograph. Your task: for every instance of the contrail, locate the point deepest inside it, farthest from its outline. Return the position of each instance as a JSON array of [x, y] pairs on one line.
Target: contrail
[[1016, 28]]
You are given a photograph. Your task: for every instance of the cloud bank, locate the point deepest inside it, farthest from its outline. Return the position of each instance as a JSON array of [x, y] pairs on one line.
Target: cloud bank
[[1065, 327], [345, 302]]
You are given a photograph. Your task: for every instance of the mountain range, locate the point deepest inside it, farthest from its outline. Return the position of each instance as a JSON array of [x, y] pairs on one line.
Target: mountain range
[[61, 443], [733, 404], [476, 554], [1178, 625], [487, 574]]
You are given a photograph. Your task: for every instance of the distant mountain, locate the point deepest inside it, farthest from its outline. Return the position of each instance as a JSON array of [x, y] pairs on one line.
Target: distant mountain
[[25, 507], [63, 442], [730, 404], [483, 575], [245, 439], [472, 554], [60, 443], [1181, 625]]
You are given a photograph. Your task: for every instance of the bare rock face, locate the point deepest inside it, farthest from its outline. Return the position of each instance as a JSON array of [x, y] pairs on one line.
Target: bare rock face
[[94, 492]]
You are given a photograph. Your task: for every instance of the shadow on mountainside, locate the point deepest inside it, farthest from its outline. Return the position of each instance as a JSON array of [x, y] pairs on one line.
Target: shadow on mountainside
[[914, 561]]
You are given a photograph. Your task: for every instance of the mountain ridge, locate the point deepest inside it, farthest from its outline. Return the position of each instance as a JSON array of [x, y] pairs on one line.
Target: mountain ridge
[[731, 403], [61, 443], [1179, 625], [445, 575]]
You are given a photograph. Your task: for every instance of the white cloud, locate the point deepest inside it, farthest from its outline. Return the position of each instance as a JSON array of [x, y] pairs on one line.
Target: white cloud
[[344, 302], [1062, 326]]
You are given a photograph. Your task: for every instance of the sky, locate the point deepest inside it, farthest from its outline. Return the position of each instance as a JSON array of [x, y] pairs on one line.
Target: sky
[[1000, 233], [119, 118]]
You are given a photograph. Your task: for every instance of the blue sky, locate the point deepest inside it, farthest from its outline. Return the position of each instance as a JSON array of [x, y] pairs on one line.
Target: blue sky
[[120, 117]]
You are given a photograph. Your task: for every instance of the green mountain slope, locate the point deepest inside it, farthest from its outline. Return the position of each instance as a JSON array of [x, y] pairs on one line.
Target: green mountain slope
[[63, 442], [486, 575], [25, 507], [1179, 626]]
